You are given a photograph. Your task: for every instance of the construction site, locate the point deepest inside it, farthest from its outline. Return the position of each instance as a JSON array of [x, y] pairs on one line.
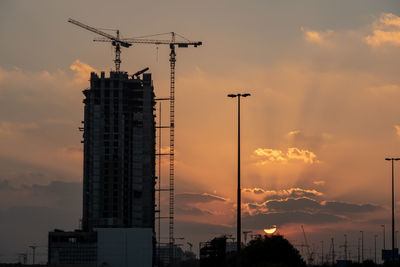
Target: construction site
[[122, 185]]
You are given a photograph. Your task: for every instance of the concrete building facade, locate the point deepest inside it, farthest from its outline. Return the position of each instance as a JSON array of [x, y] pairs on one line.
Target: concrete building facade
[[119, 152]]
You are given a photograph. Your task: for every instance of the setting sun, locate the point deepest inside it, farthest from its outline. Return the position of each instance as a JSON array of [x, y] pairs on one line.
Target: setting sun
[[270, 231]]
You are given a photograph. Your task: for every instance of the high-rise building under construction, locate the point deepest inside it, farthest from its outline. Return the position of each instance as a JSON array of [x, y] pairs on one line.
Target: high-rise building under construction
[[119, 155], [118, 176]]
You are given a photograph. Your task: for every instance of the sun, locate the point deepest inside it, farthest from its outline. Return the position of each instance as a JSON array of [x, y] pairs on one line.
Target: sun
[[270, 231]]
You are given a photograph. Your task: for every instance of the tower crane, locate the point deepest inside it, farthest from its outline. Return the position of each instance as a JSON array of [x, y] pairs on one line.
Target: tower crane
[[309, 253], [172, 43]]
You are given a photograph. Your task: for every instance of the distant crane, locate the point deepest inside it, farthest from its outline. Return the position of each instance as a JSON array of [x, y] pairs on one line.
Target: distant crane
[[332, 251], [33, 247], [309, 253], [190, 246], [24, 257], [172, 43], [345, 247]]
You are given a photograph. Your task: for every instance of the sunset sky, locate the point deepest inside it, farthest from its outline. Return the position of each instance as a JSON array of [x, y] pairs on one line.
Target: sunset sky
[[324, 113]]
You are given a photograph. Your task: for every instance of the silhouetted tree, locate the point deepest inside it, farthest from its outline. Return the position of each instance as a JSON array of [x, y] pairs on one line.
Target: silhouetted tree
[[267, 251], [270, 251]]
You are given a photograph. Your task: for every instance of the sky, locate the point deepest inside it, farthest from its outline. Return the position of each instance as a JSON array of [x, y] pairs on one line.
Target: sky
[[322, 116]]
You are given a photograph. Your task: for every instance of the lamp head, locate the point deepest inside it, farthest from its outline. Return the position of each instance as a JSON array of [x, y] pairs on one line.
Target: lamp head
[[388, 159], [232, 95], [244, 95]]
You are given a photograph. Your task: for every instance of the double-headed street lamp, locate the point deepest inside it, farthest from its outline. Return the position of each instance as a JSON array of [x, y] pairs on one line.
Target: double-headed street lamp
[[238, 240], [392, 159]]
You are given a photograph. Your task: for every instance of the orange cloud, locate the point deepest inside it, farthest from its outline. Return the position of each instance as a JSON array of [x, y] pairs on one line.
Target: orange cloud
[[320, 182], [293, 133], [385, 89], [272, 155], [320, 38], [304, 155], [397, 127], [293, 153], [261, 194], [82, 71], [385, 31]]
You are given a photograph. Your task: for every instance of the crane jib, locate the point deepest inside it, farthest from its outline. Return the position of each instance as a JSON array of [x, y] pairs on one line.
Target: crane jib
[[117, 42]]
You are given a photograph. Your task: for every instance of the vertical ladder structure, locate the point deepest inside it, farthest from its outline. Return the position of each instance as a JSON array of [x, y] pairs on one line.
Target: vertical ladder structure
[[159, 190], [172, 61]]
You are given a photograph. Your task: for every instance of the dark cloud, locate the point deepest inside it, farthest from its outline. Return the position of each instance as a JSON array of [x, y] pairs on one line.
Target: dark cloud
[[261, 221], [342, 207], [56, 194], [301, 204], [282, 194], [256, 191], [303, 210], [29, 212], [27, 225], [191, 211], [310, 205], [198, 198], [17, 172], [202, 230]]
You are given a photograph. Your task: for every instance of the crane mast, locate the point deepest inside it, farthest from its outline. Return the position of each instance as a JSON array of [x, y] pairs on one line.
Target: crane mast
[[172, 61]]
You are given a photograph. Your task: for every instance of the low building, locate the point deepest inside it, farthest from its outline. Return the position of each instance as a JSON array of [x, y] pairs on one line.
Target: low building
[[213, 253], [124, 247], [105, 247], [162, 254], [72, 247]]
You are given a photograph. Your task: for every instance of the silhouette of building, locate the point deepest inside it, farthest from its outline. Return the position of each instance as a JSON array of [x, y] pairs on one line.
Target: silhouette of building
[[119, 155], [213, 253], [118, 176], [163, 252], [72, 248]]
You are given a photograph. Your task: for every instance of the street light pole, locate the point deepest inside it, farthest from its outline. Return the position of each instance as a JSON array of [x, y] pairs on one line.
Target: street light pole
[[238, 240], [384, 237], [362, 246], [392, 159], [322, 252], [345, 247], [375, 236]]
